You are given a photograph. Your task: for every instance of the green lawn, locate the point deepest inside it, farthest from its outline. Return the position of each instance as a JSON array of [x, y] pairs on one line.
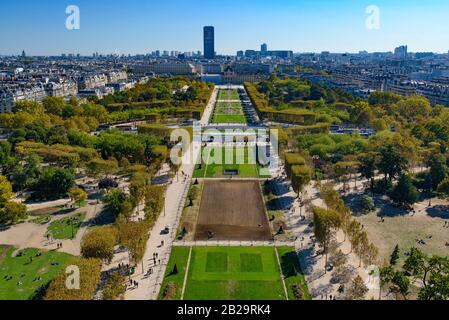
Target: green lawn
[[22, 275], [241, 159], [232, 94], [228, 118], [66, 228], [179, 257], [234, 273], [292, 272]]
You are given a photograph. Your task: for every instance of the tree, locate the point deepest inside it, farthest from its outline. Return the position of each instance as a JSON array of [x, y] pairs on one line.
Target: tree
[[400, 284], [25, 176], [300, 176], [54, 105], [77, 195], [437, 283], [370, 255], [140, 182], [394, 256], [361, 245], [30, 107], [99, 243], [133, 236], [353, 230], [443, 188], [367, 204], [53, 183], [98, 167], [357, 290], [405, 192], [89, 275], [12, 212], [338, 259], [416, 265], [115, 287], [385, 277], [5, 190], [367, 167], [438, 169], [392, 163], [326, 222], [414, 107], [117, 202]]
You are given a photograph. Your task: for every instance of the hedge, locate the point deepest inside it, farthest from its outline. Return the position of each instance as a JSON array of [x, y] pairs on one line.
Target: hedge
[[293, 159], [302, 117]]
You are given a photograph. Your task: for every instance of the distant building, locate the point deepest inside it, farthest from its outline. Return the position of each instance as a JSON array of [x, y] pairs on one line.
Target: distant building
[[400, 52], [264, 49], [209, 42], [171, 68], [211, 68]]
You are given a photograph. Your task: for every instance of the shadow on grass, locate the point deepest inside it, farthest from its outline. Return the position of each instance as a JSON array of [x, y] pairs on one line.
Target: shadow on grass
[[439, 211]]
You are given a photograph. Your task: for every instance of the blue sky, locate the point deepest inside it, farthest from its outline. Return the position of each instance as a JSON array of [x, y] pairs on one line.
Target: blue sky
[[140, 26]]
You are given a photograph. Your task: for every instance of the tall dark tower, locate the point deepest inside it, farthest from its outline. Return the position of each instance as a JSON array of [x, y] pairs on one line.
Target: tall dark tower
[[209, 42]]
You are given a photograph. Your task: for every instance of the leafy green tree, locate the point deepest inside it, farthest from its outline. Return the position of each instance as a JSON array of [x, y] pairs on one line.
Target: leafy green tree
[[326, 223], [367, 204], [57, 135], [12, 212], [394, 256], [53, 183], [405, 192], [115, 287], [99, 243], [400, 284], [5, 190], [78, 195], [133, 236], [391, 163], [54, 105], [384, 98], [31, 107], [438, 169], [367, 167], [443, 188], [114, 201], [90, 276]]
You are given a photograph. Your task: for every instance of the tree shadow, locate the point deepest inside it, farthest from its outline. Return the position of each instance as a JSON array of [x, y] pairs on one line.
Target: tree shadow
[[439, 211], [282, 203]]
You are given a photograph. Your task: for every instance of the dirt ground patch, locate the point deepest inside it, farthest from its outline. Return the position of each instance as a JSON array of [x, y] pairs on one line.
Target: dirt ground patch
[[405, 229], [233, 210]]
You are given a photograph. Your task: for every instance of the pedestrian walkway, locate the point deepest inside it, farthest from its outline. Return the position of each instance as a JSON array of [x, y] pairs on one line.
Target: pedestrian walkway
[[159, 242], [226, 243]]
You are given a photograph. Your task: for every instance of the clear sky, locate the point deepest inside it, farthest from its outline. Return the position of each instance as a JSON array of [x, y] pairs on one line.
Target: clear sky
[[141, 26]]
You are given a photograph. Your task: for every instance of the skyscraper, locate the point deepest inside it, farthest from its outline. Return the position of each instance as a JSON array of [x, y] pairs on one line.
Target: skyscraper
[[209, 42], [401, 52], [264, 49]]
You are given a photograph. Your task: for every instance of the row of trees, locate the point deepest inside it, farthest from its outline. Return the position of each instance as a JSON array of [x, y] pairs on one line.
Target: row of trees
[[336, 217]]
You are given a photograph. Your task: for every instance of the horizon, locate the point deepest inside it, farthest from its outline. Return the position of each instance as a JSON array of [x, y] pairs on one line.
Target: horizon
[[39, 28]]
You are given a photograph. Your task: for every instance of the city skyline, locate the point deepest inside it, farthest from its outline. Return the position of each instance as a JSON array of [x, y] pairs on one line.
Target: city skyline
[[39, 28]]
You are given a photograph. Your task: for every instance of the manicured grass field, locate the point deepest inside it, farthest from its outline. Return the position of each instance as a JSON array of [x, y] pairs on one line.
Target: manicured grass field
[[234, 273], [21, 276], [66, 228], [231, 94], [292, 272], [241, 159], [221, 104], [179, 257], [228, 118]]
